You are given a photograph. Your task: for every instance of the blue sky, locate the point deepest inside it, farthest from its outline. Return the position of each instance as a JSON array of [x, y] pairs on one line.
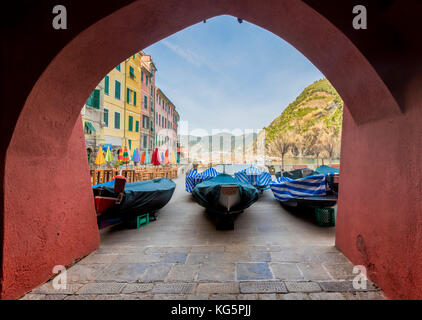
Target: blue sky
[[225, 75]]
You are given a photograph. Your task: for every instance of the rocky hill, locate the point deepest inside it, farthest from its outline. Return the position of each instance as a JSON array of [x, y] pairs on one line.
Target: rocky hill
[[311, 124]]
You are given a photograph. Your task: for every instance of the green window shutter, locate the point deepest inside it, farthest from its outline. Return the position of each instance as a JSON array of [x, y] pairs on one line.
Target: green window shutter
[[117, 120], [118, 67], [106, 117], [96, 102], [107, 84], [130, 123], [146, 102], [127, 95], [134, 98], [117, 90], [131, 72], [90, 101], [145, 142], [142, 76], [130, 144], [137, 126]]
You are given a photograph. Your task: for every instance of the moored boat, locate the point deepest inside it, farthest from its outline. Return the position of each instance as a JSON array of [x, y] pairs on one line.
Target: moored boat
[[225, 196], [259, 178], [133, 200], [310, 191]]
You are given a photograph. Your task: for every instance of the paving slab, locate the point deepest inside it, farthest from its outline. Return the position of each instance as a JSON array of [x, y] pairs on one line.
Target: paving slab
[[314, 271], [263, 287], [137, 288], [130, 272], [98, 258], [48, 288], [183, 272], [216, 272], [345, 286], [293, 296], [221, 287], [81, 273], [101, 288], [302, 286], [174, 288], [253, 271], [326, 296], [156, 272], [286, 271], [174, 258]]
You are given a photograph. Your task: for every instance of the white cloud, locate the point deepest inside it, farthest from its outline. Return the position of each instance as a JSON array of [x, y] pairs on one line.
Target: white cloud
[[184, 53]]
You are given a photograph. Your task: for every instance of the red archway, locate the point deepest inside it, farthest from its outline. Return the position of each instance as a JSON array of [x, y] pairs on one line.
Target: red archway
[[54, 223]]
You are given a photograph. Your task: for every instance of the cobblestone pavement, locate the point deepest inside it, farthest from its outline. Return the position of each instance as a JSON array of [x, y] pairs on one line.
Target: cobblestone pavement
[[271, 254]]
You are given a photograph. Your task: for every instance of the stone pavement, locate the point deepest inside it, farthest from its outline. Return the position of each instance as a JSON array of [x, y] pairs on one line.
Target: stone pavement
[[271, 254]]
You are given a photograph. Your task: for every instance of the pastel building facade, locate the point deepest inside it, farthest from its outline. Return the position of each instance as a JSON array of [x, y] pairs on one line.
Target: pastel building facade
[[147, 88], [166, 122], [92, 119], [127, 109]]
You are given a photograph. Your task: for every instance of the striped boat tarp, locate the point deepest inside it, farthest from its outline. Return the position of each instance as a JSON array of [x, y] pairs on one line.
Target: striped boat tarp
[[193, 177], [286, 188], [255, 176]]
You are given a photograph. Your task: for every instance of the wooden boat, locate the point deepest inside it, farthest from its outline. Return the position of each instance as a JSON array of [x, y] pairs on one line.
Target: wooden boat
[[118, 201], [224, 197]]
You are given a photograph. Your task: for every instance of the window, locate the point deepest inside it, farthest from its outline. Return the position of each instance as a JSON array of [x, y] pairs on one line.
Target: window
[[117, 89], [128, 96], [131, 72], [152, 125], [130, 123], [134, 98], [134, 56], [118, 67], [145, 141], [130, 144], [117, 120], [137, 126], [159, 120], [146, 80], [152, 91], [146, 102], [106, 85], [94, 99], [152, 105], [106, 117], [145, 122], [142, 76]]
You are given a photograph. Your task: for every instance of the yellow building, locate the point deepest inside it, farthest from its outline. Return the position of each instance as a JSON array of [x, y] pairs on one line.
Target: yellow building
[[114, 108], [132, 102]]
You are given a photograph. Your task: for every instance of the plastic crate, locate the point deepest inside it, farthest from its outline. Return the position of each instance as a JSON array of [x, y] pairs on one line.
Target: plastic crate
[[325, 217], [139, 221]]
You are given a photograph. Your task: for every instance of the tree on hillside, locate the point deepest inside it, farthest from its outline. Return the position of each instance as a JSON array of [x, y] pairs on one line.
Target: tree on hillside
[[331, 142], [281, 145]]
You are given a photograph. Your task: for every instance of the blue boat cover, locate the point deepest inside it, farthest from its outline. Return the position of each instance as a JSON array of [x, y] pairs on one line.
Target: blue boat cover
[[193, 177], [255, 176], [285, 188], [326, 170]]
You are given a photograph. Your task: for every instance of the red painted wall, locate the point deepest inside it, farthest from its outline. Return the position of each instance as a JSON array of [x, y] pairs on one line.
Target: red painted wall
[[47, 208], [380, 209], [50, 212]]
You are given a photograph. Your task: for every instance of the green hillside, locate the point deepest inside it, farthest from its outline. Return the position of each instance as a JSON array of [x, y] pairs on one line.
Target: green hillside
[[310, 123]]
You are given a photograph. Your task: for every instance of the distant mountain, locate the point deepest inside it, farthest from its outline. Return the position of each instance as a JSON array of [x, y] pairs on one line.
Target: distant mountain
[[223, 142]]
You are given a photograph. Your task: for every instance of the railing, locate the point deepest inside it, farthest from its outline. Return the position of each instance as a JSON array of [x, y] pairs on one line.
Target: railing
[[133, 175]]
